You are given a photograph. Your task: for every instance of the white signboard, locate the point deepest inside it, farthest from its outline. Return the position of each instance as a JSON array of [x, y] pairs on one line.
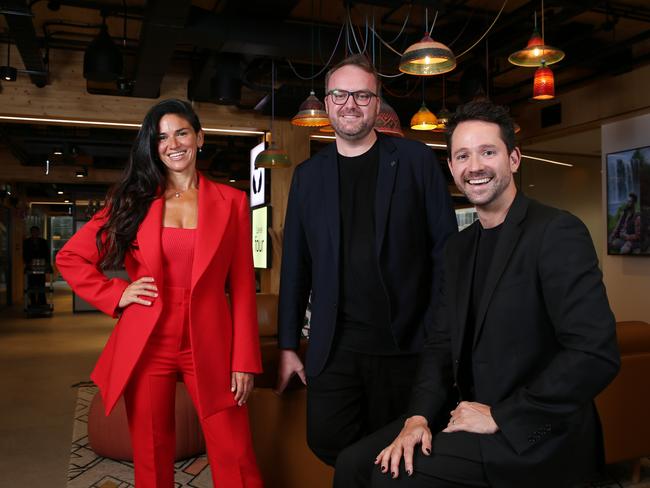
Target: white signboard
[[258, 177], [260, 233]]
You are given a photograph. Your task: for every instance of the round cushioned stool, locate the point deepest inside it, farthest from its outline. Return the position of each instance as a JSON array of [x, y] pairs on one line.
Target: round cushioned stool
[[109, 436]]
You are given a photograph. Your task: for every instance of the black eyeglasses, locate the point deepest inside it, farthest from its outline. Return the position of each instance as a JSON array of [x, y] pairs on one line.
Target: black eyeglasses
[[361, 97]]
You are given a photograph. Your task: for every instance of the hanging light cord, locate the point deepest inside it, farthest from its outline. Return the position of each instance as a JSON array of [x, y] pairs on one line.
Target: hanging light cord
[[485, 33], [125, 14], [543, 38], [347, 26], [306, 78], [408, 15], [272, 99], [434, 21], [354, 37]]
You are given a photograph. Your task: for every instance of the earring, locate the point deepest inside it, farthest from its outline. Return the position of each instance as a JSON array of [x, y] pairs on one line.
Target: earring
[[200, 149]]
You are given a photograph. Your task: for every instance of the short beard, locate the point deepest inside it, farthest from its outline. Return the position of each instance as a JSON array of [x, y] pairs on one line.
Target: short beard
[[360, 133]]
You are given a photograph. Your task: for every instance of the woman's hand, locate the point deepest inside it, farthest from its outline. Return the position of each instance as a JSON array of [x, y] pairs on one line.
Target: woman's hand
[[241, 384], [144, 287]]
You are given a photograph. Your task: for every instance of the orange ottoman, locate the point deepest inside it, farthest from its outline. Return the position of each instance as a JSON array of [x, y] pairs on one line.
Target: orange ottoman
[[109, 436]]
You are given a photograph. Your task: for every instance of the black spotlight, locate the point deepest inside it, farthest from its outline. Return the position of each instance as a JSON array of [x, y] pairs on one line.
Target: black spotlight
[[103, 59], [7, 73]]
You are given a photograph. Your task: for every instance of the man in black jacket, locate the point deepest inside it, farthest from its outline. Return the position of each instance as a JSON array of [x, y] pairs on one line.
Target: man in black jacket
[[523, 341], [365, 225]]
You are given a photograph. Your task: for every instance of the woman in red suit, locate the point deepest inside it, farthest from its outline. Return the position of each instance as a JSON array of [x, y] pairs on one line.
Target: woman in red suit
[[185, 242]]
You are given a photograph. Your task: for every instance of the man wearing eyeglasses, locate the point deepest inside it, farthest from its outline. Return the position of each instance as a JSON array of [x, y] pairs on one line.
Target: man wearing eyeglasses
[[366, 221]]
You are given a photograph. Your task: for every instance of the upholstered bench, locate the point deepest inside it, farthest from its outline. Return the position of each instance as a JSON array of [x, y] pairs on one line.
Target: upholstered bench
[[623, 405]]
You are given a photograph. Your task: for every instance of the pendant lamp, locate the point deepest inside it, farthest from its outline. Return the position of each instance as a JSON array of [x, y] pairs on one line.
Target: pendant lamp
[[544, 84], [424, 119], [387, 120], [102, 59], [273, 156], [427, 58], [536, 52], [443, 115], [311, 113], [327, 129]]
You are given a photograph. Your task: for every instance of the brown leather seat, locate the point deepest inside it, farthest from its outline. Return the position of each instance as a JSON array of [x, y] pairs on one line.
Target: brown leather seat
[[278, 423], [623, 405]]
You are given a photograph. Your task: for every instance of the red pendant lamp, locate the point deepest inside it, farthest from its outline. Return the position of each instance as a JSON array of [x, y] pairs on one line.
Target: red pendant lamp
[[544, 84]]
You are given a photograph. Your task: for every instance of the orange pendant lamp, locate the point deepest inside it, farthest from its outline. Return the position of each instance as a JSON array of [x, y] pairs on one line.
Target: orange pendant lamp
[[544, 84], [311, 113], [424, 119]]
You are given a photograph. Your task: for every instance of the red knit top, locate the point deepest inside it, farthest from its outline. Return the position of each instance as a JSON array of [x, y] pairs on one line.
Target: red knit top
[[178, 255]]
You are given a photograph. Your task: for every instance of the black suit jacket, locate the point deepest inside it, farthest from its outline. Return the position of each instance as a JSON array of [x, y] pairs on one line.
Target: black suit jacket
[[544, 346], [413, 217]]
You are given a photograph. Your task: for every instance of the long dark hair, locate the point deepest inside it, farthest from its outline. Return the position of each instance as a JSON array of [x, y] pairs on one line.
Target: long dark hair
[[141, 182]]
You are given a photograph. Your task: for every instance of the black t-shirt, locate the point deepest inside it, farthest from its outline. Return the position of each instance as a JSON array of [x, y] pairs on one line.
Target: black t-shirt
[[487, 243], [363, 320]]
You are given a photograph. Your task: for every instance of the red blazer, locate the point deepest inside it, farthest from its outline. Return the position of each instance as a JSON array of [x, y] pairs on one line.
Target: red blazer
[[224, 336]]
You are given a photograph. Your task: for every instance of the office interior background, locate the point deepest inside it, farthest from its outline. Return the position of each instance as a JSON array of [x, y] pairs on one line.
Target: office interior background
[[78, 77]]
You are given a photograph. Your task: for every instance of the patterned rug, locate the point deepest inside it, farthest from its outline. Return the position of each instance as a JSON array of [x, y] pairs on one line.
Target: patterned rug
[[88, 470]]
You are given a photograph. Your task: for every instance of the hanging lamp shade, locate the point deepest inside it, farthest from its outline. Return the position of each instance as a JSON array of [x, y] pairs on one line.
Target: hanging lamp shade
[[102, 59], [426, 58], [387, 120], [424, 119], [544, 84], [443, 119], [536, 53], [273, 157], [311, 113], [327, 129]]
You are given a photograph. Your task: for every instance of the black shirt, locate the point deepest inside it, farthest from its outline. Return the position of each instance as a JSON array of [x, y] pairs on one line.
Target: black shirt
[[487, 243], [364, 312]]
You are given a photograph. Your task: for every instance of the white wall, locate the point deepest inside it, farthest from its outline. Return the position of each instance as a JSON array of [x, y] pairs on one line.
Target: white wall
[[627, 278]]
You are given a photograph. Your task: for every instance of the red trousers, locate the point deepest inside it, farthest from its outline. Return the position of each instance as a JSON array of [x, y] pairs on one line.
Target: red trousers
[[149, 398]]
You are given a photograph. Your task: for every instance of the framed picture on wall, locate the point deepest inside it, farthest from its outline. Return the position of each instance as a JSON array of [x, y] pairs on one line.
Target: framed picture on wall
[[628, 202]]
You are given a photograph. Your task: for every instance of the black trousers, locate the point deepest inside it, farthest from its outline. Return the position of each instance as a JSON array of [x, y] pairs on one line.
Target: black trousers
[[353, 396], [455, 462]]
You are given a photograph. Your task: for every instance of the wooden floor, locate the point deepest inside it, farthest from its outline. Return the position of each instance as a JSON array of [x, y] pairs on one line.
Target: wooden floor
[[40, 360]]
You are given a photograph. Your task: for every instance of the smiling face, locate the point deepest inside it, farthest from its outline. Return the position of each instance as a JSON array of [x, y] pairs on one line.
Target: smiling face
[[350, 121], [481, 165], [178, 143]]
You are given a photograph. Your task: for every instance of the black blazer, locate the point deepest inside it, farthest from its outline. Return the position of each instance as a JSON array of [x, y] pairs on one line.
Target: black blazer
[[413, 217], [544, 346]]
